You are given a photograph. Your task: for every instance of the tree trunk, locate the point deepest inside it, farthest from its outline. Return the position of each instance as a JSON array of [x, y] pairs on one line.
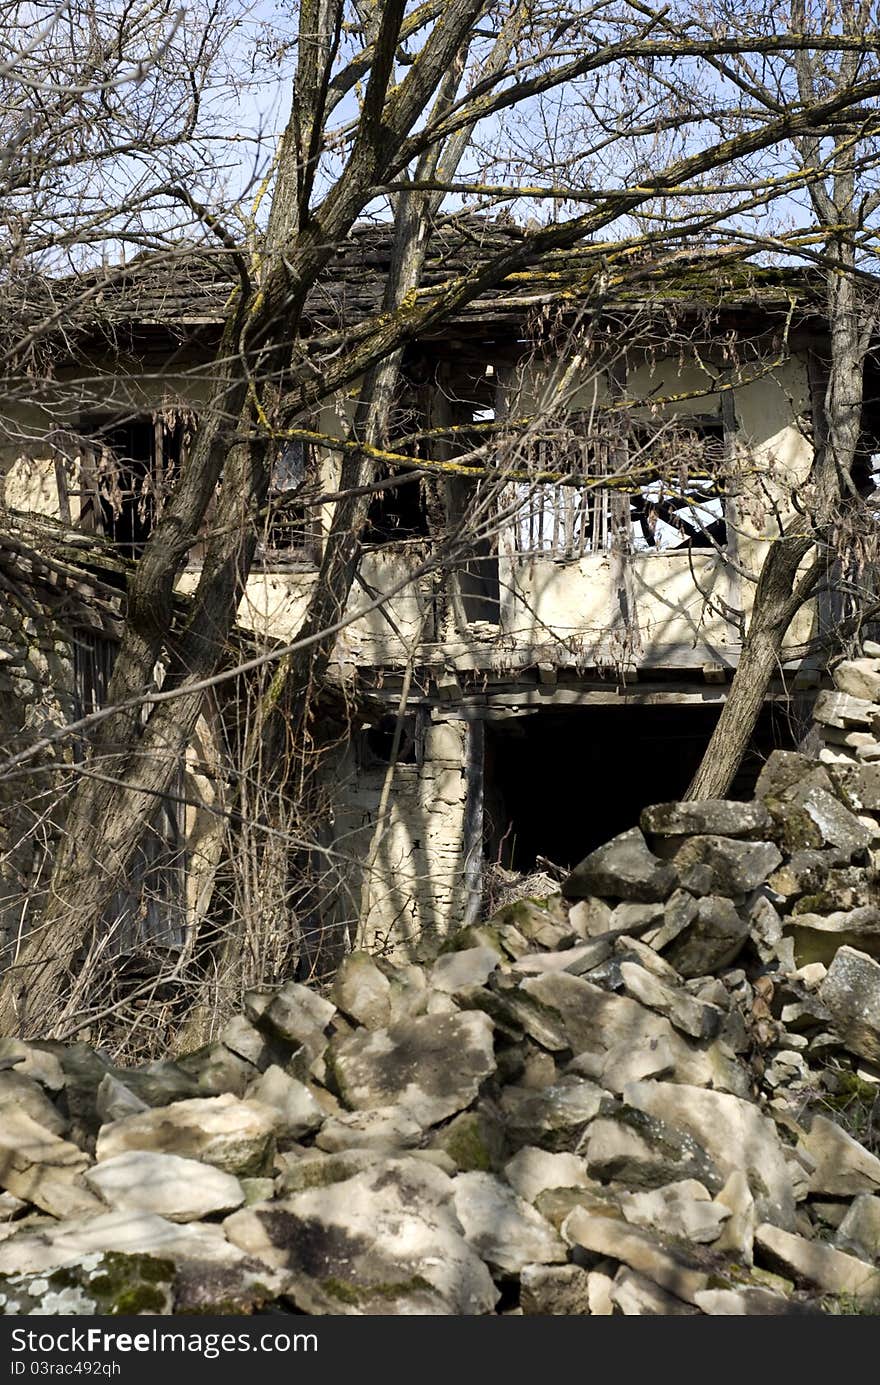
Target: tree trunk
[[776, 601]]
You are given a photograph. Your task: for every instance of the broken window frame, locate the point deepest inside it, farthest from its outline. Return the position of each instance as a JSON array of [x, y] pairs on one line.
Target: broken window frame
[[100, 466], [565, 521]]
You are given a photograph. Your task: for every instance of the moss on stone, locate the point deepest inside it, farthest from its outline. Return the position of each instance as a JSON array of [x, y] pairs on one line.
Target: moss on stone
[[476, 1144], [131, 1283], [356, 1294]]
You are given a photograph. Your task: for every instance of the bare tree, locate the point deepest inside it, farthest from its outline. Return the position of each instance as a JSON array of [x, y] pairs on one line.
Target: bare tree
[[830, 509], [408, 104]]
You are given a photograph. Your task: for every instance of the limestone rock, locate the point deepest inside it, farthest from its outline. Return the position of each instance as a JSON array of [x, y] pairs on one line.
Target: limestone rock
[[623, 868], [859, 1231], [714, 939], [313, 1169], [299, 1016], [114, 1101], [576, 960], [503, 1229], [233, 1135], [298, 1111], [182, 1190], [637, 1296], [687, 1014], [532, 1171], [851, 993], [553, 1117], [733, 1132], [843, 710], [11, 1207], [458, 971], [786, 770], [590, 917], [383, 1127], [141, 1233], [217, 1070], [383, 1241], [244, 1040], [831, 1270], [837, 826], [818, 937], [432, 1066], [841, 1166], [715, 816], [554, 1291], [599, 1290], [362, 991], [96, 1285], [805, 871], [673, 1268], [684, 1210], [39, 1167], [862, 788], [158, 1084], [623, 1064], [749, 1302], [715, 865], [738, 1232], [859, 678], [26, 1095], [679, 913], [473, 1140], [637, 1150], [36, 1061]]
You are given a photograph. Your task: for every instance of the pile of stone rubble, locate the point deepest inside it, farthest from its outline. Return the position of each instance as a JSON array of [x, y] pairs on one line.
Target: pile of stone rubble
[[630, 1098]]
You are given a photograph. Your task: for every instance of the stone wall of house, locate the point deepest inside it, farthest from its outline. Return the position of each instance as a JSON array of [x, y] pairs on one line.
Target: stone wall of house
[[403, 874]]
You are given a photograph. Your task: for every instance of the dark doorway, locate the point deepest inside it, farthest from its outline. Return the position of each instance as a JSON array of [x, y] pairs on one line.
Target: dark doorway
[[559, 783]]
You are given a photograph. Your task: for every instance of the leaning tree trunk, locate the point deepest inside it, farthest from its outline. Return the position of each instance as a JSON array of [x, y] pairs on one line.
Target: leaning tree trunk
[[777, 600], [780, 594]]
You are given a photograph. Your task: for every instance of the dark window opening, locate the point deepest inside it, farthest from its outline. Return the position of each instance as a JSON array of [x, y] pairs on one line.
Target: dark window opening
[[127, 468], [616, 761], [377, 742], [397, 513]]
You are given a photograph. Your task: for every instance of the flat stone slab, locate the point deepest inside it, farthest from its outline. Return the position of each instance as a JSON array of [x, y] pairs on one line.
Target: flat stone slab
[[362, 990], [532, 1171], [233, 1135], [386, 1241], [640, 1151], [673, 1268], [554, 1116], [431, 1066], [141, 1233], [734, 1133], [717, 816], [504, 1229], [684, 1210], [842, 1166], [831, 1270], [182, 1190]]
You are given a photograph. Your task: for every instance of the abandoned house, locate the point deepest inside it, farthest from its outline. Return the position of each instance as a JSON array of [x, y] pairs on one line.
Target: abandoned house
[[521, 702]]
